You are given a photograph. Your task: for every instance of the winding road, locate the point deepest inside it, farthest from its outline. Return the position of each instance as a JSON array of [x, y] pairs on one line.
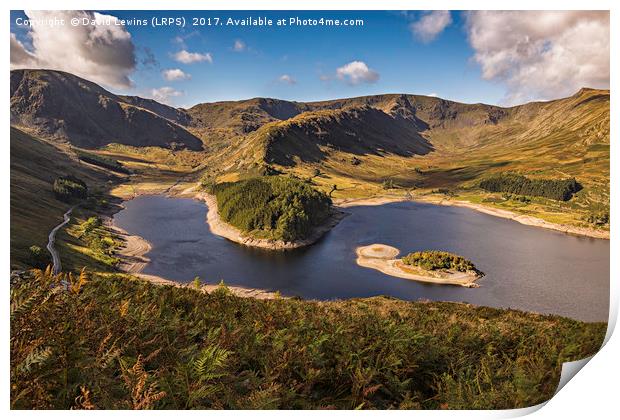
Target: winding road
[[57, 267]]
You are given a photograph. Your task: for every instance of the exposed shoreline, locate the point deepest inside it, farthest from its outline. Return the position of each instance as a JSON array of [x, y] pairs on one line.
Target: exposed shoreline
[[225, 230], [209, 288], [504, 214], [133, 260], [383, 258]]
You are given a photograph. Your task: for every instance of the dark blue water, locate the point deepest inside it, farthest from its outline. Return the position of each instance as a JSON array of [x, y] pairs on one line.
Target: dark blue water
[[526, 268]]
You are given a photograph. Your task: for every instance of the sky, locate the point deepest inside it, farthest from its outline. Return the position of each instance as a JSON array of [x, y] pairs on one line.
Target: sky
[[494, 57]]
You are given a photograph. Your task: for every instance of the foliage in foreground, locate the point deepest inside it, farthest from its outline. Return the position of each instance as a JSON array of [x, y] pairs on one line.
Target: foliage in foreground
[[101, 242], [120, 343], [556, 189], [274, 207], [439, 260]]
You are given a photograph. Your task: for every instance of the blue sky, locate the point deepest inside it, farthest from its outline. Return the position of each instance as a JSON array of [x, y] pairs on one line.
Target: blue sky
[[301, 63]]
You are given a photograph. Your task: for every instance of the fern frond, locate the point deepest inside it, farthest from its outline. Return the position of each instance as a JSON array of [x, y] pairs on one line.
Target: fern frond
[[211, 361], [36, 357]]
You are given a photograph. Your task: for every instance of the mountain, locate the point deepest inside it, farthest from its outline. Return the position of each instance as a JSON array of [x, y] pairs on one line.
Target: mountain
[[178, 116], [59, 105], [364, 138]]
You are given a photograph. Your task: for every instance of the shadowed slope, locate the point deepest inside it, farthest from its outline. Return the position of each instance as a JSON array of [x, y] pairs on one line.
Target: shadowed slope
[[60, 105]]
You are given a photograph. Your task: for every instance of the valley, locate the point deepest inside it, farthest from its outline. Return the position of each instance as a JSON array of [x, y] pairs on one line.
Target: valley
[[390, 147], [407, 170]]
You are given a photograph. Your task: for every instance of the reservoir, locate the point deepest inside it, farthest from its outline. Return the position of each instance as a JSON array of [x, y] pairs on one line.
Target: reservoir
[[527, 268]]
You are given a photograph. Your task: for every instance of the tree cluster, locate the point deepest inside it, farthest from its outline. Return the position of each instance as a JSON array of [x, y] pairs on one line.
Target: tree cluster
[[556, 189], [276, 207], [438, 260], [67, 188]]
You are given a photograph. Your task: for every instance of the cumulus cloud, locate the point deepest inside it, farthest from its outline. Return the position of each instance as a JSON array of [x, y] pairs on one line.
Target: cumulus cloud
[[288, 79], [102, 52], [165, 94], [430, 25], [357, 72], [20, 57], [187, 57], [541, 54], [239, 46], [175, 74]]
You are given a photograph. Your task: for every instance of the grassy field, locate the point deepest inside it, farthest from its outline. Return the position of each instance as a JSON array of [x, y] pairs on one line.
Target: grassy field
[[117, 343]]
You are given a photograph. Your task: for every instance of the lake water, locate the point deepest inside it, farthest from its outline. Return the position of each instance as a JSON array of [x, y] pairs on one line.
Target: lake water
[[526, 267]]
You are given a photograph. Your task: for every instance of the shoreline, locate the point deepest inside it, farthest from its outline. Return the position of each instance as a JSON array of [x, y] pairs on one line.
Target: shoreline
[[225, 230], [133, 260], [209, 288], [383, 258], [504, 214]]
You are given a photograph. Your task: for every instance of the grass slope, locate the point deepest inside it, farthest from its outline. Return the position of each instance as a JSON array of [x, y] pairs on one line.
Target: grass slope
[[35, 164], [116, 343]]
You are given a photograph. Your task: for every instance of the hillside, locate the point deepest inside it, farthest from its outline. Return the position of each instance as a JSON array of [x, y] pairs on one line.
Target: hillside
[[116, 343], [451, 129], [35, 210], [359, 145], [60, 105]]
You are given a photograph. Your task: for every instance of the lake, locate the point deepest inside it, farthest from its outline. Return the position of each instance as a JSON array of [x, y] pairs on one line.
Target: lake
[[526, 267]]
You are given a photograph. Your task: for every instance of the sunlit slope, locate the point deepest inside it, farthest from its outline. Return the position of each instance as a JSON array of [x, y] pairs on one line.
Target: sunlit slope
[[35, 164], [431, 142]]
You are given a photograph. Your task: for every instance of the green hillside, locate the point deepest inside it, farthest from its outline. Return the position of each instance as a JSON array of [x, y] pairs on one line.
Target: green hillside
[[35, 209]]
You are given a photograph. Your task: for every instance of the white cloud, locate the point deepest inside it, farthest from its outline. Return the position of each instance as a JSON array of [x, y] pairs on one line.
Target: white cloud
[[19, 55], [541, 54], [102, 52], [175, 74], [430, 25], [434, 95], [288, 79], [165, 94], [187, 57], [357, 72], [180, 39], [239, 46]]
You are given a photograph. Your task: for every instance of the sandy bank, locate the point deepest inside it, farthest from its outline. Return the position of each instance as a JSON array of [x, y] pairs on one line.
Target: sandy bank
[[372, 201], [208, 288], [525, 220], [383, 258], [133, 253], [221, 228], [506, 214]]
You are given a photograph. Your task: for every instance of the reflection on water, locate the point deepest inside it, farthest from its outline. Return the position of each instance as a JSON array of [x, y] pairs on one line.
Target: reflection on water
[[526, 268]]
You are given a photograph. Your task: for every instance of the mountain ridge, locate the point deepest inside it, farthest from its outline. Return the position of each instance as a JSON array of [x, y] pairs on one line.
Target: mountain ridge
[[65, 107], [264, 131]]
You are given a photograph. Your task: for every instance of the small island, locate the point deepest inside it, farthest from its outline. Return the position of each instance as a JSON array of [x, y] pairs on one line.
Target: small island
[[429, 266], [272, 212]]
